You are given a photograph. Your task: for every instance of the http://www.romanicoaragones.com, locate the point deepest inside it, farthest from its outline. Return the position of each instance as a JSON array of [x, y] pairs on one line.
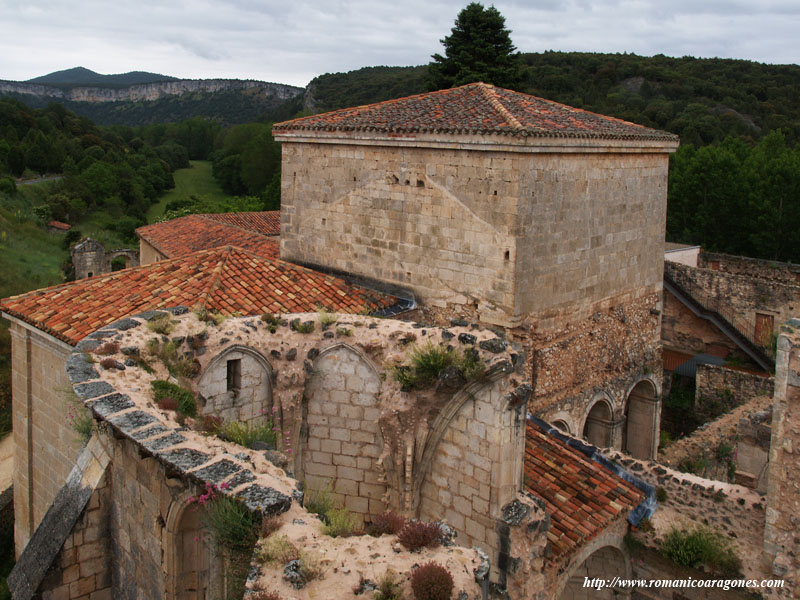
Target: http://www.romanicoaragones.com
[[599, 583]]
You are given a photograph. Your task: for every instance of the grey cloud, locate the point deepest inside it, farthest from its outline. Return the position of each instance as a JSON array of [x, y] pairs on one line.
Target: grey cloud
[[293, 42]]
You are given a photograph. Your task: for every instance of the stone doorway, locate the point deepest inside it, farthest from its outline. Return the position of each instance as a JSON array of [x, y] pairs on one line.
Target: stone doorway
[[598, 428], [641, 433]]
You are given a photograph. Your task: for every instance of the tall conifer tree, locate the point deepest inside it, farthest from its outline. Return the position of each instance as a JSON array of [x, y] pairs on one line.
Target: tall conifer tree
[[479, 48]]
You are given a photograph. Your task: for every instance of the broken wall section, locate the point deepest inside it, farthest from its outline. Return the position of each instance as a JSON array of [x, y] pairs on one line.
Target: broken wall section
[[760, 303], [719, 389], [756, 268], [781, 537]]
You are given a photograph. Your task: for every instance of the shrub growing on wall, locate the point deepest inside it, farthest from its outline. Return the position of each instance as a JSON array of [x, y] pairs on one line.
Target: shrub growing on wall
[[431, 581], [418, 534], [184, 399], [701, 547], [234, 532]]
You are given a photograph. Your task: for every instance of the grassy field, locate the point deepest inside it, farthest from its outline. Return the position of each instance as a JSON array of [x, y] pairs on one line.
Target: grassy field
[[194, 181], [30, 257]]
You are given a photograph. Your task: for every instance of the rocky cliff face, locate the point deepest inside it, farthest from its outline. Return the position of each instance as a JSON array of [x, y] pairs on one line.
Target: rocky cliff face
[[149, 91]]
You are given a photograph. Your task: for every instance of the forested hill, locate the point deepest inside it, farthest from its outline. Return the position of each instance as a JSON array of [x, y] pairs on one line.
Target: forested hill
[[80, 76], [140, 98], [702, 100]]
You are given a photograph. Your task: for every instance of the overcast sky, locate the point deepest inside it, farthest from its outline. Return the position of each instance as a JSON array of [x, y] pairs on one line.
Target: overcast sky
[[292, 41]]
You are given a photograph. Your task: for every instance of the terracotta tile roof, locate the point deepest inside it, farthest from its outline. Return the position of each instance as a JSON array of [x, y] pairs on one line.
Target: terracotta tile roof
[[226, 279], [267, 222], [59, 225], [202, 232], [582, 497], [476, 108]]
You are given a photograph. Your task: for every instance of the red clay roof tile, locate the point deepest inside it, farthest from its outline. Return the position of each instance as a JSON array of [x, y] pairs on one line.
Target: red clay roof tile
[[581, 497], [253, 231], [476, 108], [229, 280]]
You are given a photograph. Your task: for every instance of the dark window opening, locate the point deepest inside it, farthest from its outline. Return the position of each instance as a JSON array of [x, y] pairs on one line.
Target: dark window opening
[[507, 255], [234, 375]]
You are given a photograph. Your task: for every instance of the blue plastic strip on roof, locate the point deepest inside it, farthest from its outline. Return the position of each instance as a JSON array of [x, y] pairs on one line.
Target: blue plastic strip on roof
[[402, 305], [645, 509]]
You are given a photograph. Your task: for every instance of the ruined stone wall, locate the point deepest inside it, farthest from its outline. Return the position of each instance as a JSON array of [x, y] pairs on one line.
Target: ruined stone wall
[[719, 389], [682, 330], [689, 501], [752, 451], [89, 257], [783, 509], [755, 268], [604, 356], [82, 568], [522, 535], [251, 400], [648, 564], [741, 294], [142, 496], [473, 471], [45, 444], [507, 233], [343, 439]]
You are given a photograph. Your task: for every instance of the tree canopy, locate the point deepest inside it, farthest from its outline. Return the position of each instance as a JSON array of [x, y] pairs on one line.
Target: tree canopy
[[479, 48]]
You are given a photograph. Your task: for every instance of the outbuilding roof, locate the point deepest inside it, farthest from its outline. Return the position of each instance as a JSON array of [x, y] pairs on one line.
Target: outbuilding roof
[[581, 496], [254, 231], [476, 108], [229, 280]]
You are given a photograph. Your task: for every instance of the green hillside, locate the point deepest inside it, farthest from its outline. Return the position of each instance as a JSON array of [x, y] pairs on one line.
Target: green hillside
[[80, 76], [702, 100]]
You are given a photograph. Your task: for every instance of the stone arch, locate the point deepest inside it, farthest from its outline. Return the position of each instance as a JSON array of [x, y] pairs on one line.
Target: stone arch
[[598, 425], [425, 453], [340, 439], [642, 415], [469, 465], [189, 569], [237, 385], [130, 258], [602, 559], [563, 421], [562, 426]]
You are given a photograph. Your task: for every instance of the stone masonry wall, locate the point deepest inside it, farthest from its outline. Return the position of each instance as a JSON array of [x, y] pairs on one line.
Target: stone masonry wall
[[682, 330], [751, 267], [82, 568], [743, 295], [472, 473], [439, 222], [781, 539], [148, 254], [45, 444], [142, 498], [508, 233], [252, 401], [648, 564], [343, 439], [721, 389], [606, 353], [591, 227]]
